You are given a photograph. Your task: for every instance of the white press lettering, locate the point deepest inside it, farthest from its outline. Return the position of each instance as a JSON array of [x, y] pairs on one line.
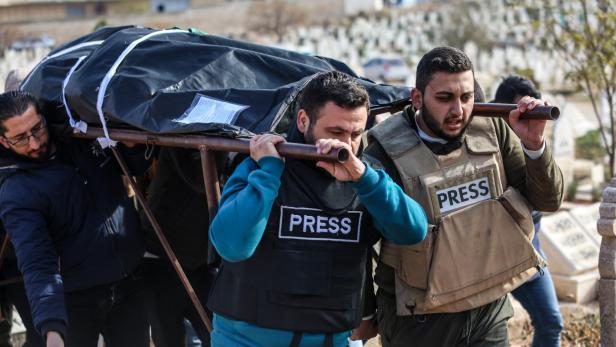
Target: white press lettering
[[309, 222], [294, 220], [333, 225], [346, 225], [321, 224]]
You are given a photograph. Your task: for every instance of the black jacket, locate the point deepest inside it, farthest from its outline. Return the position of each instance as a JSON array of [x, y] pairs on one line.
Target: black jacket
[[71, 223], [176, 196]]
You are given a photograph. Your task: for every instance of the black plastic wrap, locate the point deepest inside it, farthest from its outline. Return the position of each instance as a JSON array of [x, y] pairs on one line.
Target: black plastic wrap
[[179, 81]]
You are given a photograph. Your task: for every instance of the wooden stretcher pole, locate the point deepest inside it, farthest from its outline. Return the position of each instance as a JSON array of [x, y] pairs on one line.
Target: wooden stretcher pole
[[212, 194], [502, 110], [12, 280], [482, 109], [213, 143], [163, 240]]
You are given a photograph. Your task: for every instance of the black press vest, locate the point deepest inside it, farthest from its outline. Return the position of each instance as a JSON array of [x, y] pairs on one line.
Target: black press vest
[[308, 272]]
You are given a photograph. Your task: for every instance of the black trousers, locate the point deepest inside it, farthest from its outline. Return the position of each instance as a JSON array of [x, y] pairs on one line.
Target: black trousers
[[168, 304], [116, 310], [15, 295], [485, 326]]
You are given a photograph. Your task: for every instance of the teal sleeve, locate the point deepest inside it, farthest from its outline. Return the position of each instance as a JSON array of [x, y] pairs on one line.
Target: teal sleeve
[[245, 206], [398, 217]]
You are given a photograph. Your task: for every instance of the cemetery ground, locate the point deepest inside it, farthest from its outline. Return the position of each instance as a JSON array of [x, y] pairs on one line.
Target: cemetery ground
[[581, 325]]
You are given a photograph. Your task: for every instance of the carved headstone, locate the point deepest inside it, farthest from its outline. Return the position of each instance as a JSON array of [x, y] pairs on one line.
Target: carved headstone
[[569, 249], [588, 216]]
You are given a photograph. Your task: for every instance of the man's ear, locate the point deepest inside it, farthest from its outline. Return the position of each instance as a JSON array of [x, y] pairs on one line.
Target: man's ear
[[416, 98], [303, 121], [4, 142]]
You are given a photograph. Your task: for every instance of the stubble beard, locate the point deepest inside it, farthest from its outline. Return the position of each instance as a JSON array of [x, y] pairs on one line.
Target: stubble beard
[[436, 128]]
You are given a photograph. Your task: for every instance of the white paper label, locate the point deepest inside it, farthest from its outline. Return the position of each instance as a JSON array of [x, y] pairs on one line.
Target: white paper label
[[208, 110]]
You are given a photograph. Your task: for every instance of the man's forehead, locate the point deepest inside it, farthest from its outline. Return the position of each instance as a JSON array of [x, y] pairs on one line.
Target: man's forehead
[[460, 82], [353, 124], [334, 116], [23, 122]]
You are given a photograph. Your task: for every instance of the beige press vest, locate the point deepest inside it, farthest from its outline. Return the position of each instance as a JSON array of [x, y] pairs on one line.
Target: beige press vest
[[479, 245]]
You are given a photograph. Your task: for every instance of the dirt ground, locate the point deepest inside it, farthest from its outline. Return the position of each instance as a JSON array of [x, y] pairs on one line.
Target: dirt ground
[[582, 327]]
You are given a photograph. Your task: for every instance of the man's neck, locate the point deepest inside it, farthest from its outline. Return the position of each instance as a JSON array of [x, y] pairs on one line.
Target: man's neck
[[423, 130]]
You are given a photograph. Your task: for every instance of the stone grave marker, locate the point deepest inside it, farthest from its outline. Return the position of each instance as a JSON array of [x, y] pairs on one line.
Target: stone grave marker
[[569, 249], [580, 288], [587, 216]]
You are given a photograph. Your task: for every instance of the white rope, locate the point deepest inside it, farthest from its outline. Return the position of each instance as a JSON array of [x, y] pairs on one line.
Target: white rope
[[107, 141], [61, 53], [78, 125]]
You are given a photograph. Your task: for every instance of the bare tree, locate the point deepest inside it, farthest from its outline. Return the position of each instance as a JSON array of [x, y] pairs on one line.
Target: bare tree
[[274, 17], [583, 32]]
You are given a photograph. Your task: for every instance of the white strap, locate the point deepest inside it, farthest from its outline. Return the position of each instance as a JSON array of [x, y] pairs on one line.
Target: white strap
[[78, 125], [107, 141], [61, 53]]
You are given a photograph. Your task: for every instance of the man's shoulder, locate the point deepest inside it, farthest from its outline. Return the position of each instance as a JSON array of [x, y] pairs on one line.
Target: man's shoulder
[[500, 127], [16, 190], [394, 136], [494, 129], [21, 185], [389, 126]]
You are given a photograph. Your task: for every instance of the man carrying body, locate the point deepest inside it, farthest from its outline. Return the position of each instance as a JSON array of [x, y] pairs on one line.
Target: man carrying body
[[15, 293], [295, 236], [474, 177], [76, 234]]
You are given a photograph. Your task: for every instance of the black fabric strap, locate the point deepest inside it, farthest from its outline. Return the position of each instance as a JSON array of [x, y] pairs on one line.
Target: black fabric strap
[[297, 338], [329, 340]]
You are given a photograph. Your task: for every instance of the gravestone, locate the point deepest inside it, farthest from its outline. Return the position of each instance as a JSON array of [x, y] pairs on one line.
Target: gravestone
[[569, 249], [580, 288], [587, 216]]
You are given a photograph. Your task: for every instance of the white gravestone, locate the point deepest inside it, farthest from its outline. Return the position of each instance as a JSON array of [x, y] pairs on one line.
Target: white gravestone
[[569, 249], [588, 216], [580, 289]]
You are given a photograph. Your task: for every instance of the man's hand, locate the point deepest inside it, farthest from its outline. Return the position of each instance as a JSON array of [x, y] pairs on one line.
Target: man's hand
[[365, 331], [350, 170], [530, 131], [54, 339], [264, 146]]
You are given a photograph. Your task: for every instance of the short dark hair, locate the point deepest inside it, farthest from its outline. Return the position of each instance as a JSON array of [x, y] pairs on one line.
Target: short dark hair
[[513, 86], [344, 90], [441, 59], [479, 94], [15, 103]]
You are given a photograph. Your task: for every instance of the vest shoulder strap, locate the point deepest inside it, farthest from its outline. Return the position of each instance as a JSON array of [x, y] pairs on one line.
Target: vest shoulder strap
[[395, 135], [481, 136]]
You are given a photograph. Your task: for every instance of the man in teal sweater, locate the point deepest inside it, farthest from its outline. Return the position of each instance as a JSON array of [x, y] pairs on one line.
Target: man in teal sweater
[[295, 236]]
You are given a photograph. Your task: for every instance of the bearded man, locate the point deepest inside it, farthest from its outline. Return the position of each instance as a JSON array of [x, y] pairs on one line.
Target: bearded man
[[478, 180]]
